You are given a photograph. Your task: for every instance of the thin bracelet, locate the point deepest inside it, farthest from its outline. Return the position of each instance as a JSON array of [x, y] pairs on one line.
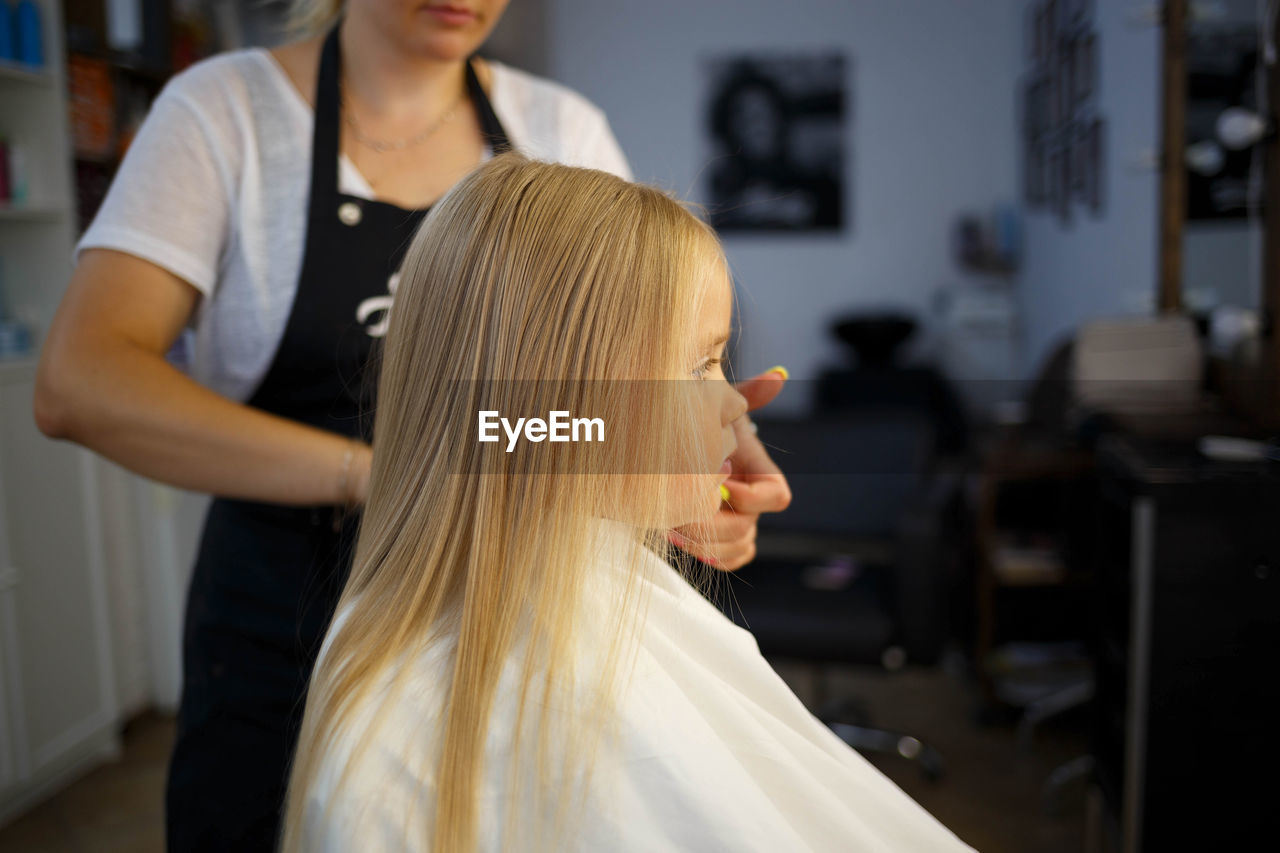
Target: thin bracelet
[[344, 499]]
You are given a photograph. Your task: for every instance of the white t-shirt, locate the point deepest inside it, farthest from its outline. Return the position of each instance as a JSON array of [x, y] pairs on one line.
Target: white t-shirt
[[715, 752], [214, 189]]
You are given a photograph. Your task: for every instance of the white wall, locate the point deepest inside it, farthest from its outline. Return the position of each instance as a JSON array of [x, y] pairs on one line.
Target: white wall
[[931, 133], [1104, 266]]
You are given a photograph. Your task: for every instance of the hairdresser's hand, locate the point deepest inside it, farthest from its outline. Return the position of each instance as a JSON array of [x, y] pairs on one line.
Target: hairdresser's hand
[[362, 468], [757, 485], [353, 480]]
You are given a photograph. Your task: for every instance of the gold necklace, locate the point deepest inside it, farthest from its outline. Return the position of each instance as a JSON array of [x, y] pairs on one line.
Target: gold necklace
[[382, 146]]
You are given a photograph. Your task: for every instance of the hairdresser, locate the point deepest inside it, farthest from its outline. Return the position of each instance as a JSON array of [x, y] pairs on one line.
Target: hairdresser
[[266, 203]]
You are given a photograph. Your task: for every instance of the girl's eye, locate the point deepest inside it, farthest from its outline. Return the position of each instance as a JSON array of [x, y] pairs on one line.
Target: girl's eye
[[703, 369]]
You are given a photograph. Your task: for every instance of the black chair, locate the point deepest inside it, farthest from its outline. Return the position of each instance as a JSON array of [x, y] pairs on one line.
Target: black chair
[[850, 572]]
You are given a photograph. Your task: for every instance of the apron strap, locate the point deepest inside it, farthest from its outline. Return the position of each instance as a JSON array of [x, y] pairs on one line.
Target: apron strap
[[324, 134], [494, 134]]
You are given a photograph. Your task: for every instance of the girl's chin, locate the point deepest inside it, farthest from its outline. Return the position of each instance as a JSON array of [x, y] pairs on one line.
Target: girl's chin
[[699, 511]]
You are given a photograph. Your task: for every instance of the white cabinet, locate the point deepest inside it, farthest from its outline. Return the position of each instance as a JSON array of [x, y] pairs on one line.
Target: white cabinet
[[58, 710], [57, 696]]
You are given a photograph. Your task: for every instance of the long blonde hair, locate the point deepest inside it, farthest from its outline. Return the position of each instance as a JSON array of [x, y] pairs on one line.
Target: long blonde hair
[[527, 282]]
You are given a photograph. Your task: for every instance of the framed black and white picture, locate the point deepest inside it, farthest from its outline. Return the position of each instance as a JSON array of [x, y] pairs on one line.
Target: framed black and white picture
[[776, 128], [1097, 165], [1062, 183], [1036, 47], [1079, 136], [1084, 65], [1035, 107], [1067, 68], [1034, 177], [1063, 137], [1051, 173]]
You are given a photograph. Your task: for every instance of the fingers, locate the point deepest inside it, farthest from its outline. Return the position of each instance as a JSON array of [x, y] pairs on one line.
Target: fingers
[[761, 390], [727, 541], [365, 457], [736, 556], [762, 493], [757, 484]]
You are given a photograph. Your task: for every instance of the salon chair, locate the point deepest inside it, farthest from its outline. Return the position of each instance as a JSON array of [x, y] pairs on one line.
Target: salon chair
[[875, 375], [853, 571]]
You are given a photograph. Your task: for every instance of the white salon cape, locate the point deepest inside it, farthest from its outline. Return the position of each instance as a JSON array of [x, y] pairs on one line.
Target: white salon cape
[[715, 754]]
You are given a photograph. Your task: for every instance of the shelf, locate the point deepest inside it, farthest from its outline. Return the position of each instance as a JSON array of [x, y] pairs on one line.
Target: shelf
[[10, 70], [37, 213], [1015, 565], [129, 63]]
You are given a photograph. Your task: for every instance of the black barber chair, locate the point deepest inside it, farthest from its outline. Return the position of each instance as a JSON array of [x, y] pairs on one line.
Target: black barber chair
[[875, 377], [852, 571]]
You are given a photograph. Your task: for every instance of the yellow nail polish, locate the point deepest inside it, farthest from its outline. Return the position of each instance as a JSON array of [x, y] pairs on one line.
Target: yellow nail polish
[[786, 374], [724, 493]]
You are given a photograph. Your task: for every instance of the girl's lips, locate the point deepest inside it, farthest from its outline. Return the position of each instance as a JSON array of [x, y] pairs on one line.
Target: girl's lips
[[726, 468], [453, 15]]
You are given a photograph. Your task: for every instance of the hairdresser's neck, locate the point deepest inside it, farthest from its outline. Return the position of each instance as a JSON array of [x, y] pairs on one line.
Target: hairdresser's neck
[[384, 76]]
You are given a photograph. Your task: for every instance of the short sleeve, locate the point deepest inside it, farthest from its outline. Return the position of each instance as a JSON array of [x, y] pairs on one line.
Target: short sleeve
[[170, 202]]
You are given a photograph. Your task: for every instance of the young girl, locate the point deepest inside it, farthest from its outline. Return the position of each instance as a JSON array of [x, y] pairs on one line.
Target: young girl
[[515, 664]]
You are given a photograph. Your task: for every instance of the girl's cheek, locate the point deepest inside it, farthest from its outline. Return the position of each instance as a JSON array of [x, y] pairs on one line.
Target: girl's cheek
[[696, 497]]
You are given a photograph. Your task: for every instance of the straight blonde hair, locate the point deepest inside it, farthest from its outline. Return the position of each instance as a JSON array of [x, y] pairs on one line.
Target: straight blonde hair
[[527, 282]]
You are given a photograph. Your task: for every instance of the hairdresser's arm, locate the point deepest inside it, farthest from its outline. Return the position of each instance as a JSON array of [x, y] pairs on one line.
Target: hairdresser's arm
[[757, 486], [103, 382]]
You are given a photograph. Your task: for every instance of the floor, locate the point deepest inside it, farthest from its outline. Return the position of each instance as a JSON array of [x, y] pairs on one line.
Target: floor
[[115, 808], [990, 797], [992, 793]]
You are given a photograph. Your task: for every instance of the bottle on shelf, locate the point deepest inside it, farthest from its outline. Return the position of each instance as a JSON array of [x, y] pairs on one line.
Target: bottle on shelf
[[15, 336], [7, 39], [15, 168], [29, 41]]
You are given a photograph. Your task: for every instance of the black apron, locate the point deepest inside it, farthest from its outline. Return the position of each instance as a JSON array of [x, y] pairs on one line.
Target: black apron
[[267, 576]]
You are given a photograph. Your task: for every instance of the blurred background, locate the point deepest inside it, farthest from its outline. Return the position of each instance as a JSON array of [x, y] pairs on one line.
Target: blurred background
[[1020, 259]]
